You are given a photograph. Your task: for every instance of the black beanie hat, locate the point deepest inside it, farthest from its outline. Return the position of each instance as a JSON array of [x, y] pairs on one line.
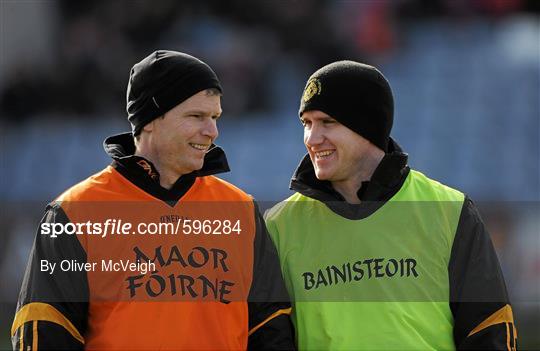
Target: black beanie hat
[[163, 80], [356, 95]]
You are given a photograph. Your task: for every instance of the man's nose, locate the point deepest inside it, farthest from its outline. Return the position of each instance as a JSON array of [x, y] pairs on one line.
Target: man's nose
[[211, 129], [313, 136]]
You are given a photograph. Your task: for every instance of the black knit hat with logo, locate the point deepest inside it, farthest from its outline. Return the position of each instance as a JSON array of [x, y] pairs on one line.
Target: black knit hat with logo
[[163, 80], [356, 95]]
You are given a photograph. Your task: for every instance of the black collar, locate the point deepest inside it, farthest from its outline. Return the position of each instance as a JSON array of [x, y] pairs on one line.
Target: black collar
[[142, 172], [384, 183]]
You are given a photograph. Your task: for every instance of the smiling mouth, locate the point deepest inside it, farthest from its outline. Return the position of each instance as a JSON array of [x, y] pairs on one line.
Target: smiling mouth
[[323, 154], [200, 147]]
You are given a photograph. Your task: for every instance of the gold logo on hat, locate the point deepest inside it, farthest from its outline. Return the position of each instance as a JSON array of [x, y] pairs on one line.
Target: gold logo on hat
[[313, 87]]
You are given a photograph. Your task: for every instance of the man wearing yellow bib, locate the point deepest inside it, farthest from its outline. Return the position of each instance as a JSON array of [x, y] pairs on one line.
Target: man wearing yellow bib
[[377, 256]]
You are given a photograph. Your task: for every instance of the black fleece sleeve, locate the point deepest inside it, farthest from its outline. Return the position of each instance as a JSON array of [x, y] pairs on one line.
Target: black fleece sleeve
[[52, 308], [270, 327], [483, 318]]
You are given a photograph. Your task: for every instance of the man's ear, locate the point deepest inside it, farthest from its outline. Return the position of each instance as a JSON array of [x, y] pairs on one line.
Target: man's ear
[[149, 127]]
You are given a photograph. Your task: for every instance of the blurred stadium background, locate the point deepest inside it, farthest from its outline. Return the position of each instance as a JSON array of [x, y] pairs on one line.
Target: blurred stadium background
[[465, 74]]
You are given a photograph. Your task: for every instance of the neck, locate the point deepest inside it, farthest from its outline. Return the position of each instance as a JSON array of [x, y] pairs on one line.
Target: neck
[[349, 187], [167, 177]]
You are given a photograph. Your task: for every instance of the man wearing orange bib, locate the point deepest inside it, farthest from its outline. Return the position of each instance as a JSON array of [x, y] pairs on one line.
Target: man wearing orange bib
[[156, 252]]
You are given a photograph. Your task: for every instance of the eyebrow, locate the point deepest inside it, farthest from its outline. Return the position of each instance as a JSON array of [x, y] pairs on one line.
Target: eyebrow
[[201, 112], [326, 118]]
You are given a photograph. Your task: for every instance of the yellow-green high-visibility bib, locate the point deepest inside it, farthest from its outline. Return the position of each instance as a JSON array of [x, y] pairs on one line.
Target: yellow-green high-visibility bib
[[377, 283]]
